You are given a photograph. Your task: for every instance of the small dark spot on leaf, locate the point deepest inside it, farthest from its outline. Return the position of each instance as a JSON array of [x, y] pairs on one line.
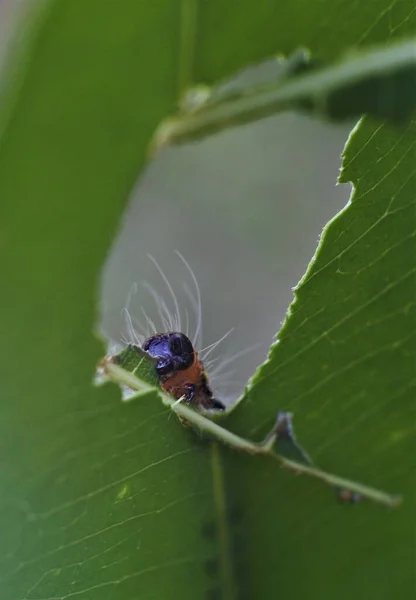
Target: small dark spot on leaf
[[348, 497], [211, 567], [214, 594], [244, 593], [238, 546], [235, 514], [209, 530]]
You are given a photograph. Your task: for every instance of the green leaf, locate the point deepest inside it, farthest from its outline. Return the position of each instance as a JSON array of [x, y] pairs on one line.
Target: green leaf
[[95, 494], [344, 365], [380, 83], [134, 370], [135, 360], [104, 499]]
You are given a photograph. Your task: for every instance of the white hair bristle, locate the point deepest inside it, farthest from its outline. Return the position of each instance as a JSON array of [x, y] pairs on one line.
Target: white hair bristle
[[169, 314]]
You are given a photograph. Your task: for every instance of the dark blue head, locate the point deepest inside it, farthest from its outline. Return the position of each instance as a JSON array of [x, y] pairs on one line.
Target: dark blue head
[[173, 351]]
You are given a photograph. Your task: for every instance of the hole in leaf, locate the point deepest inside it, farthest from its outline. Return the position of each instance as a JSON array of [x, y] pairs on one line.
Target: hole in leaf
[[245, 208]]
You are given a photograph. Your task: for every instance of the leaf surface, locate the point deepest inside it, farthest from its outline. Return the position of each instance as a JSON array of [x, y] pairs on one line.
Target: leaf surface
[[380, 82], [104, 499]]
